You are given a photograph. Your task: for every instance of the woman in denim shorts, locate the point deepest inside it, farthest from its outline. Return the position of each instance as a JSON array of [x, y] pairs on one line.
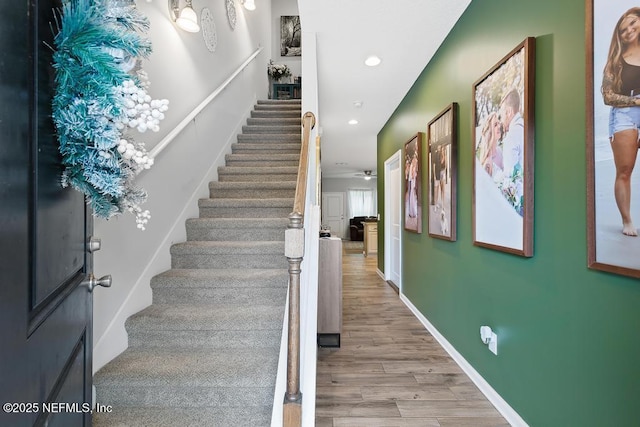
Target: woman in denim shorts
[[621, 90]]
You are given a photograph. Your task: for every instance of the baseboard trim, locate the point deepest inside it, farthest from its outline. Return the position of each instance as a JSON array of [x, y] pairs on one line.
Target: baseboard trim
[[501, 405], [381, 274]]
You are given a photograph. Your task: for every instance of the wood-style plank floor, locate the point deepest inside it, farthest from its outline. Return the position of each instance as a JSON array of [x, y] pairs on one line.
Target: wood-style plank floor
[[390, 371]]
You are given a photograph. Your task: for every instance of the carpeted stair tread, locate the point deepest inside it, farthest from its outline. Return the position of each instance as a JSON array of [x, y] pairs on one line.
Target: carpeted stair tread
[[211, 278], [250, 148], [267, 340], [262, 158], [245, 208], [228, 254], [275, 121], [238, 223], [224, 416], [212, 296], [257, 170], [227, 248], [251, 190], [264, 114], [190, 367], [246, 203], [203, 316], [270, 138], [259, 185], [236, 229], [282, 129]]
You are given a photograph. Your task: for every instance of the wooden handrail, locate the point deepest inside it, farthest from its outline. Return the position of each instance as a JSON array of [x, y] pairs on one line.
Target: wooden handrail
[[294, 251]]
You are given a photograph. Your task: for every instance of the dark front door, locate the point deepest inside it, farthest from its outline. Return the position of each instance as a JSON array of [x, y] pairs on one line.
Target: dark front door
[[45, 308]]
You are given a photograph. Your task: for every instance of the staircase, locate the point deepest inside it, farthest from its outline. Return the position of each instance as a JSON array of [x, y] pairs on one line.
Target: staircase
[[205, 353]]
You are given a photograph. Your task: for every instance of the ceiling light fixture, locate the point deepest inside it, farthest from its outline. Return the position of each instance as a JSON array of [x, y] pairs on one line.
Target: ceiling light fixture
[[353, 122], [357, 104], [186, 18], [248, 4], [372, 61], [367, 175]]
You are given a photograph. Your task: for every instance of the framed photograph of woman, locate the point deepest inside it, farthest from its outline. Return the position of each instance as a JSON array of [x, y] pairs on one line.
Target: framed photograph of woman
[[613, 123], [503, 150], [442, 157], [412, 184]]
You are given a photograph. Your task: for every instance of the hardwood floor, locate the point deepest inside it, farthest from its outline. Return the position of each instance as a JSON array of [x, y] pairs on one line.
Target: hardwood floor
[[390, 372]]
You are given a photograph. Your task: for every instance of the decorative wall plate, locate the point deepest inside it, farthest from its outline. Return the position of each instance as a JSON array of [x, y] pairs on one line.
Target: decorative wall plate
[[231, 13], [209, 33]]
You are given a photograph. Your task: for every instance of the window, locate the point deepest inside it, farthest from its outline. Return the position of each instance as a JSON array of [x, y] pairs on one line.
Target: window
[[362, 202]]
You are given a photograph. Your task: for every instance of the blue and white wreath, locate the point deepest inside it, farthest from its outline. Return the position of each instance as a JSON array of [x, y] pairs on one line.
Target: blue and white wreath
[[101, 97]]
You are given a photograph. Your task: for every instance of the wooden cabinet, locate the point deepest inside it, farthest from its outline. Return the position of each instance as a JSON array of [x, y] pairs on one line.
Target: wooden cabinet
[[370, 238], [286, 91], [329, 291]]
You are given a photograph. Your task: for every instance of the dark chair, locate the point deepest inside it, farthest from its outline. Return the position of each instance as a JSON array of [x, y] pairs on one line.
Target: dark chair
[[356, 227]]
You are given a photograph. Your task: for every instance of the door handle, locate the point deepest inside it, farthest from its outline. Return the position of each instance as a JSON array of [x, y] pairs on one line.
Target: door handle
[[91, 282], [94, 244]]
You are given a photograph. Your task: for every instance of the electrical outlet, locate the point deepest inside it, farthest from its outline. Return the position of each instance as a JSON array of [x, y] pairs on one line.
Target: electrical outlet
[[493, 343]]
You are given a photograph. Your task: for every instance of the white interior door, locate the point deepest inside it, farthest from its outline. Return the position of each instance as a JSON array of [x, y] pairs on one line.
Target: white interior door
[[393, 220], [333, 213]]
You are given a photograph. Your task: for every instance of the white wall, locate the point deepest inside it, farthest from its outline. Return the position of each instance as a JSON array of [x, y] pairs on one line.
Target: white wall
[[284, 8], [336, 185], [182, 70]]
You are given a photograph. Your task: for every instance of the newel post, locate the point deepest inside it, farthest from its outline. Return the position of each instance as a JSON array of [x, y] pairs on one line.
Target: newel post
[[294, 251]]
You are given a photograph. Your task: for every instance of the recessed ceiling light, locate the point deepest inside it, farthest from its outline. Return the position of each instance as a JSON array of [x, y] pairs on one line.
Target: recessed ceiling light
[[353, 122], [372, 61]]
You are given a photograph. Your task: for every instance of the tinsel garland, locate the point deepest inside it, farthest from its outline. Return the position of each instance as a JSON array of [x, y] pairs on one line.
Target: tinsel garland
[[100, 96]]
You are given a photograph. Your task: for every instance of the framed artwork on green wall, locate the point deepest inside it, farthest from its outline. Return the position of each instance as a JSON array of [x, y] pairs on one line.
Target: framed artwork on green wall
[[413, 184], [442, 148], [503, 113], [613, 127]]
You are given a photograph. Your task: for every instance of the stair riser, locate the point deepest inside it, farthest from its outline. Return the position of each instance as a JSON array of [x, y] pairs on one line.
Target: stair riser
[[273, 121], [270, 278], [269, 138], [245, 149], [256, 177], [272, 129], [251, 194], [242, 340], [235, 234], [219, 295], [124, 395], [229, 261], [262, 114], [245, 212], [258, 163], [296, 106], [221, 416]]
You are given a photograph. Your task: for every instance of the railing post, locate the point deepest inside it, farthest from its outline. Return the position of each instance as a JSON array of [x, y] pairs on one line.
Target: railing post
[[294, 251]]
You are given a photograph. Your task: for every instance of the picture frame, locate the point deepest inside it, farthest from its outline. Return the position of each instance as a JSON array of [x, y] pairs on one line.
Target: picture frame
[[503, 153], [413, 183], [442, 155], [290, 36], [609, 247]]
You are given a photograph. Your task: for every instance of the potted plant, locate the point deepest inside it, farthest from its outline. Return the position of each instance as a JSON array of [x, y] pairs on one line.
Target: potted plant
[[276, 72]]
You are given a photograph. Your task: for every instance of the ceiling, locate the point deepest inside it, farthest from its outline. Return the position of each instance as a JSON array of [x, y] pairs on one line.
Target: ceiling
[[405, 34]]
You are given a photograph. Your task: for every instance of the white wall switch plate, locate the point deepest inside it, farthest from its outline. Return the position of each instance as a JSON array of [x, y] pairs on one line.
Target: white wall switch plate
[[493, 344]]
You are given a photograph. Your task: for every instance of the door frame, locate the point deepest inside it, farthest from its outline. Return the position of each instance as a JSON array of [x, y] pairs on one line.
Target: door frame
[[389, 164]]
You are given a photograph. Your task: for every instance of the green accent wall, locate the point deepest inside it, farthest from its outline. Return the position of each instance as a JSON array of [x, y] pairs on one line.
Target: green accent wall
[[568, 337]]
